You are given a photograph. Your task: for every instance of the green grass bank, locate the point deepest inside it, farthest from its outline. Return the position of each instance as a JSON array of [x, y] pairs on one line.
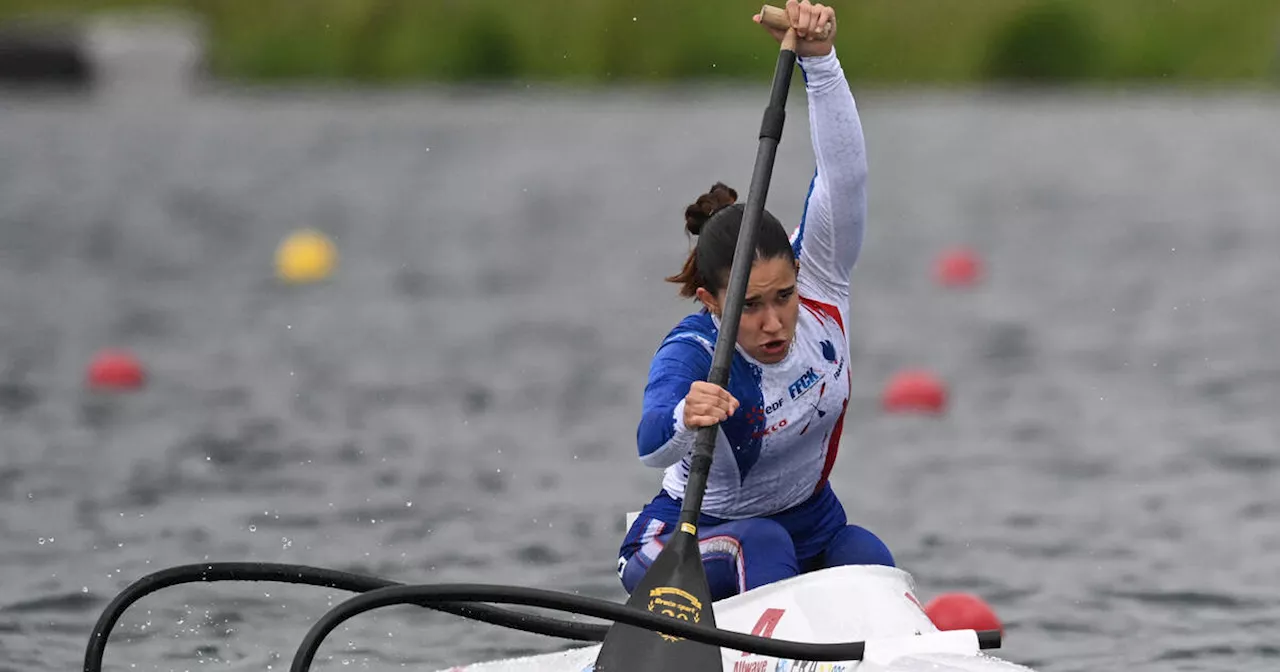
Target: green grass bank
[[589, 41]]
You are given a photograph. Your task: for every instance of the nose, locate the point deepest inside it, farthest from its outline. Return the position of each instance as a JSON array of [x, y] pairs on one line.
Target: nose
[[772, 321]]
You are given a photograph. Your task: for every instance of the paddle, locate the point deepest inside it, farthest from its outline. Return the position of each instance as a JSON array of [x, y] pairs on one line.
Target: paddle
[[676, 583]]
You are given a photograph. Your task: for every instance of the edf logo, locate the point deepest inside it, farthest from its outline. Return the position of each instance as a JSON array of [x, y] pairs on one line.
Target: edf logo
[[803, 383]]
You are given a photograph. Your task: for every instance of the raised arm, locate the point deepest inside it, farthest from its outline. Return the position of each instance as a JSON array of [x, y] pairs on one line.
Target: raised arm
[[829, 237]]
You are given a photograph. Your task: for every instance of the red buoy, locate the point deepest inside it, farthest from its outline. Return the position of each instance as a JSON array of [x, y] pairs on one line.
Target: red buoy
[[115, 369], [958, 267], [915, 391], [962, 611]]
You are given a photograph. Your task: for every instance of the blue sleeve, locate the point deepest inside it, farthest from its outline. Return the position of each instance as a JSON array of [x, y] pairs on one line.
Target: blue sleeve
[[662, 438]]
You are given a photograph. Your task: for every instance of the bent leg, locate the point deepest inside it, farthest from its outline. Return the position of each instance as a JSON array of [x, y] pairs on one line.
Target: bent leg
[[738, 555], [856, 545]]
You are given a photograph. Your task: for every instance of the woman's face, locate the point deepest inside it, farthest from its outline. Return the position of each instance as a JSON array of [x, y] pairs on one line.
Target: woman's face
[[769, 311]]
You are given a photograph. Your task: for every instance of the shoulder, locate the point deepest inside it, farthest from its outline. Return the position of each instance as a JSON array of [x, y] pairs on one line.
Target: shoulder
[[698, 329], [823, 312], [686, 349]]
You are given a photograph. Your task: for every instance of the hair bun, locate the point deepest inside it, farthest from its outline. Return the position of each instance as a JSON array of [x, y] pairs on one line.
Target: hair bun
[[708, 204]]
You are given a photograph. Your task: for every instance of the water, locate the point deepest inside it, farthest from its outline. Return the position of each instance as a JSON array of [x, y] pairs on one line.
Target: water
[[458, 402]]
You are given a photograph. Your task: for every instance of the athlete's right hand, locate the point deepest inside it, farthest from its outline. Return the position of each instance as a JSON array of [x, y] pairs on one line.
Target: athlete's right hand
[[706, 404]]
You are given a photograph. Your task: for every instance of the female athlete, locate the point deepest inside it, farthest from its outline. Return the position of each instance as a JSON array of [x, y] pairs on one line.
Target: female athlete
[[768, 512]]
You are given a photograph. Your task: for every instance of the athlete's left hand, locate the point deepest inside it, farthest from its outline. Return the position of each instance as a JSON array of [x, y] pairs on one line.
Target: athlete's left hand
[[808, 20]]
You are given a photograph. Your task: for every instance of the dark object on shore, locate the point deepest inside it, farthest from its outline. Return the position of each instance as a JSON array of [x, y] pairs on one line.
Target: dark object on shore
[[42, 54]]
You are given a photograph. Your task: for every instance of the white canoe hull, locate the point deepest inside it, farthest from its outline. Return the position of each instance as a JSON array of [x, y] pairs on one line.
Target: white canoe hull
[[857, 603]]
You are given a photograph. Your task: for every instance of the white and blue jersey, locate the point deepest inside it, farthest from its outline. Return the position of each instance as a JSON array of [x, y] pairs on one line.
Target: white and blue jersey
[[778, 449]]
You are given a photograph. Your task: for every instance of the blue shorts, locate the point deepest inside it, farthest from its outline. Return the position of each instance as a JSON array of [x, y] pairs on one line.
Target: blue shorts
[[739, 555]]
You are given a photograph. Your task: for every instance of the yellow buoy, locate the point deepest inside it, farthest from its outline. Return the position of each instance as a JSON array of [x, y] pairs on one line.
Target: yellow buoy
[[305, 256]]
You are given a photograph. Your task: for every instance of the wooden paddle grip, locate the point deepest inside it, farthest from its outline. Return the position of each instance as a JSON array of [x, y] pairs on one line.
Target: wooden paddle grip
[[776, 18]]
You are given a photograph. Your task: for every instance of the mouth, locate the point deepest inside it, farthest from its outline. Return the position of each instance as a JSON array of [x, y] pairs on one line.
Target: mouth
[[775, 347]]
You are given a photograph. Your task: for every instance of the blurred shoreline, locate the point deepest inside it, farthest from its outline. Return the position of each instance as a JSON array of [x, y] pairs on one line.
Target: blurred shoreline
[[581, 43]]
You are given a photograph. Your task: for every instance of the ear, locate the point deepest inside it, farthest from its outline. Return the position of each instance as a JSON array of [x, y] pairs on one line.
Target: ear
[[709, 301]]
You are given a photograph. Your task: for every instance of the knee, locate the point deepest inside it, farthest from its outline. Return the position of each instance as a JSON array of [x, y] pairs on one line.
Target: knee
[[856, 545], [747, 554], [761, 534], [630, 572]]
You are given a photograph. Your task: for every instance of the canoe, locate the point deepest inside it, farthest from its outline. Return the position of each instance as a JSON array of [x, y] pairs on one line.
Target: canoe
[[875, 604]]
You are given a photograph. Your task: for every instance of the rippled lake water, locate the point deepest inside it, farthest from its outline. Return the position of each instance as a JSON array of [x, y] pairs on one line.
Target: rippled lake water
[[458, 401]]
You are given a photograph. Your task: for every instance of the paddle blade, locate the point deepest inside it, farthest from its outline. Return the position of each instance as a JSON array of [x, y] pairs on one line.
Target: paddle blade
[[675, 585]]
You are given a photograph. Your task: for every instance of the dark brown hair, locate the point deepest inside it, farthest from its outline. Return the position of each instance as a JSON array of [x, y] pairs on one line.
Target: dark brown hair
[[715, 218]]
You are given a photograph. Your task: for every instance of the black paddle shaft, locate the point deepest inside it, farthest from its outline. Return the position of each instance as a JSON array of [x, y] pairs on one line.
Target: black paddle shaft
[[743, 256], [675, 584]]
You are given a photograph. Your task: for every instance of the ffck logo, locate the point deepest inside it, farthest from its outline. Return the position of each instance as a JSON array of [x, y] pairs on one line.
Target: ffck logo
[[803, 383]]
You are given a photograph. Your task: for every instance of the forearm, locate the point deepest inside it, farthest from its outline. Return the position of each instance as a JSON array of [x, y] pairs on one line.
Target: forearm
[[663, 439]]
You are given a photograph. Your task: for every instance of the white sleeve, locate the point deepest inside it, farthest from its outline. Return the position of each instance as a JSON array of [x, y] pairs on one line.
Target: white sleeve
[[829, 237]]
